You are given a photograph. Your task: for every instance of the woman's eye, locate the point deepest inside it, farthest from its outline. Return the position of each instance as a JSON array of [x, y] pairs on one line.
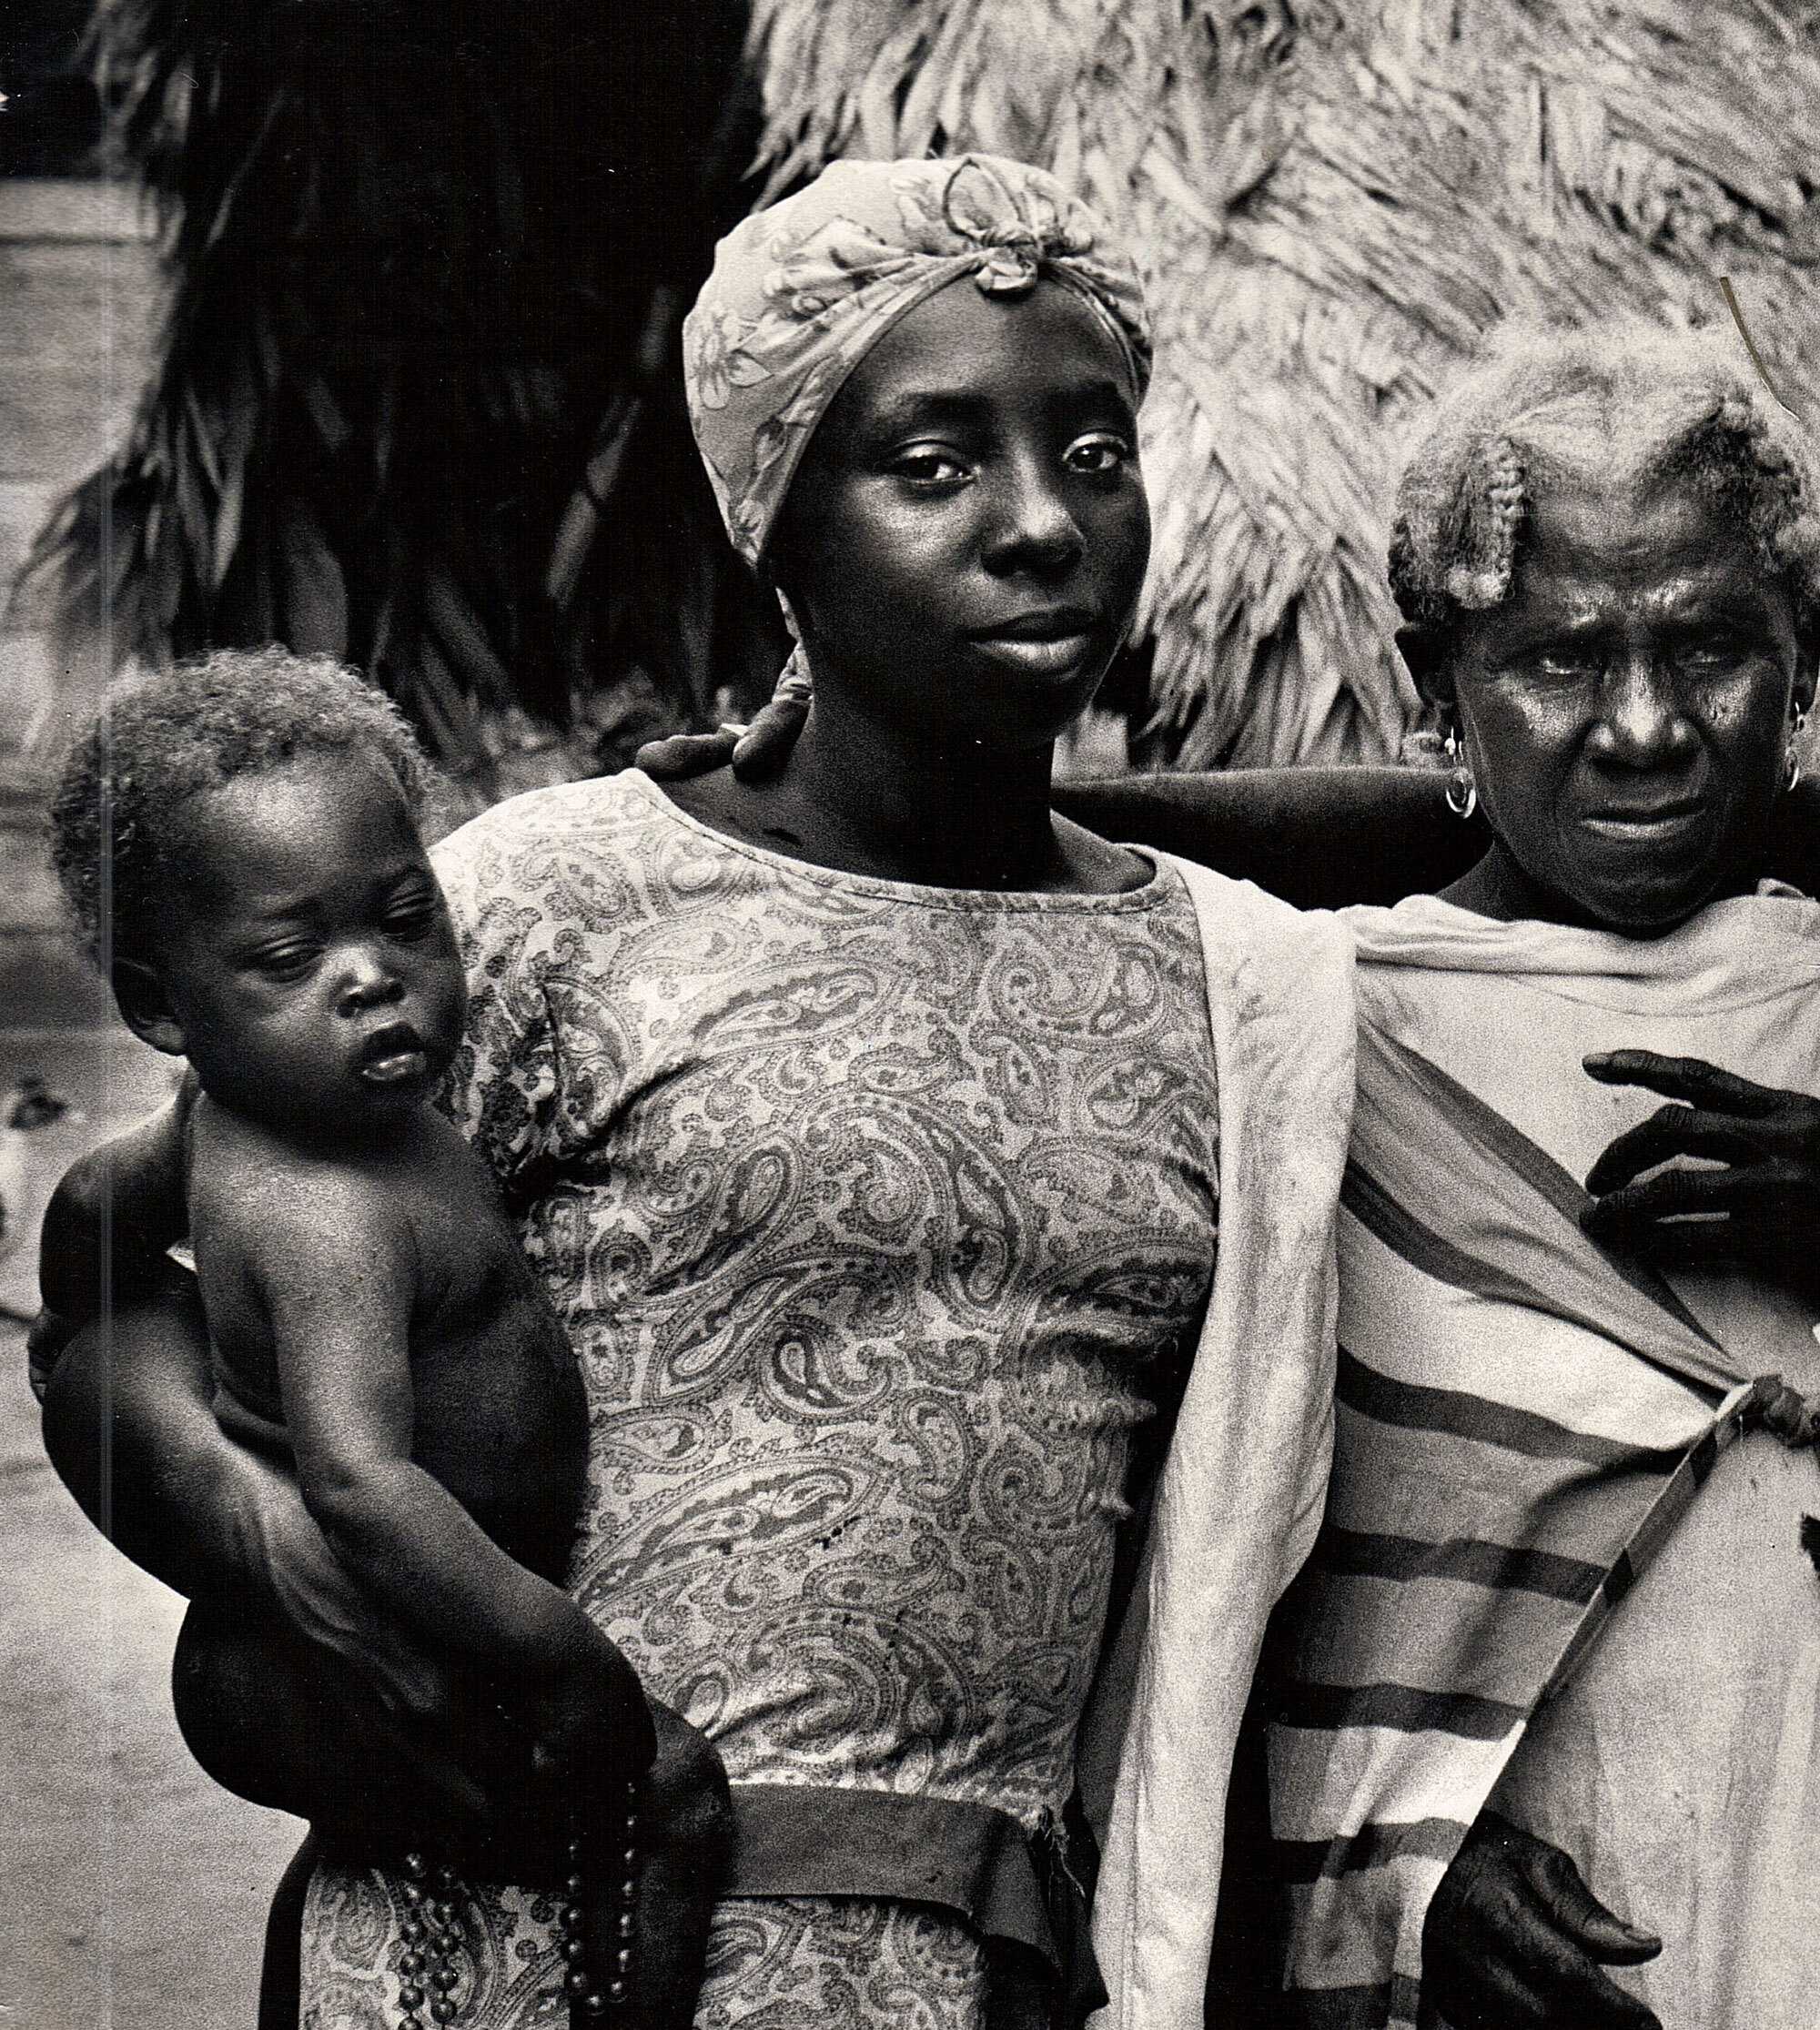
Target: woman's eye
[[1563, 665], [1716, 652], [1097, 456], [929, 466]]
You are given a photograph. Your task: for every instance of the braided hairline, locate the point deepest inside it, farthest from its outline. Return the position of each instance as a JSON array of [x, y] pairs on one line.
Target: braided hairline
[[1679, 406], [162, 740]]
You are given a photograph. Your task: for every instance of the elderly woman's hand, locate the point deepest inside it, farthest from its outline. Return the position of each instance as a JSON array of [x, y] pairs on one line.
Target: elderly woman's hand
[[755, 753], [1756, 1197], [1514, 1940]]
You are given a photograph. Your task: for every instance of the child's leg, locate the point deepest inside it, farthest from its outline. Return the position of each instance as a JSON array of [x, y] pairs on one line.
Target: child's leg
[[678, 1836], [277, 1724], [275, 1721]]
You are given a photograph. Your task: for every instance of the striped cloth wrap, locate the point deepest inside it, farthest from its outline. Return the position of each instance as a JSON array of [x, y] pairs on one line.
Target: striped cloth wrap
[[1523, 1416]]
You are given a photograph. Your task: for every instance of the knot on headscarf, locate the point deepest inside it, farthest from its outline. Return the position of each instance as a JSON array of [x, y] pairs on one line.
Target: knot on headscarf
[[802, 292]]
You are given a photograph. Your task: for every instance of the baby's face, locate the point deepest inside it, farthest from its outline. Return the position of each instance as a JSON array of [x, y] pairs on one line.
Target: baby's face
[[309, 960]]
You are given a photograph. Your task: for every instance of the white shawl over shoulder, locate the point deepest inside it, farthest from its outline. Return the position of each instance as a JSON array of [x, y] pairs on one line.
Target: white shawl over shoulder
[[1240, 1499]]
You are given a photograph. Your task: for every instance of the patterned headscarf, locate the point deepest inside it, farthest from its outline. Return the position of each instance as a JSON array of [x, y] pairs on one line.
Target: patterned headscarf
[[802, 292]]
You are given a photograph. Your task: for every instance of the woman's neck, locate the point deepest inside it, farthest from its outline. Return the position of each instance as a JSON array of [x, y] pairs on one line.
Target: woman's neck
[[951, 816], [1499, 887], [870, 799]]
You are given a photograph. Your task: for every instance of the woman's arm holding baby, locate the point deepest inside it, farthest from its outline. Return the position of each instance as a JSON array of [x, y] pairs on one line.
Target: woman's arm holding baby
[[129, 1426], [105, 1230], [121, 1362]]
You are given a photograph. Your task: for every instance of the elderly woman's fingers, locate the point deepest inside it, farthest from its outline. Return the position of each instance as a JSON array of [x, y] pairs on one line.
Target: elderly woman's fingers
[[764, 749], [1691, 1079], [1670, 1132], [1761, 1208], [1579, 1995], [1525, 1978], [1514, 1941], [1584, 1931], [1692, 1197], [1581, 1917], [685, 754]]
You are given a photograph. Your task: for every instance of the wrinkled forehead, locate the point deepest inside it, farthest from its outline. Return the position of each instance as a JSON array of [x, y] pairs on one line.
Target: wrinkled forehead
[[1590, 522]]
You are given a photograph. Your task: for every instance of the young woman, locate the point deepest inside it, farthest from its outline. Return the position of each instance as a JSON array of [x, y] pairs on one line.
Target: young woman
[[894, 1152]]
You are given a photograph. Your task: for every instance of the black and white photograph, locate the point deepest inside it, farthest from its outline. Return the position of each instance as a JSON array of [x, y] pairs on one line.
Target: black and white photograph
[[910, 1014]]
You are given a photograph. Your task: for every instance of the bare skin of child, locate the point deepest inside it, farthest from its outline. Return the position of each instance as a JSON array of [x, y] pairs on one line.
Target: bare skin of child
[[373, 1323]]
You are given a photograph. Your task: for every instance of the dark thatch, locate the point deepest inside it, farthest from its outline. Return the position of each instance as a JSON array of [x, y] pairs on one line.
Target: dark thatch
[[417, 403]]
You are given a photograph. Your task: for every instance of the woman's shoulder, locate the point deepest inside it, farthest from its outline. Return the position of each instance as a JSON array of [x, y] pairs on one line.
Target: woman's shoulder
[[1279, 984], [1241, 921], [598, 807]]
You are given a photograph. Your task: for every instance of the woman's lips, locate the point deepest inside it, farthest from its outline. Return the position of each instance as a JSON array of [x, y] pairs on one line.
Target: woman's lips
[[1047, 656], [1646, 823], [1042, 643]]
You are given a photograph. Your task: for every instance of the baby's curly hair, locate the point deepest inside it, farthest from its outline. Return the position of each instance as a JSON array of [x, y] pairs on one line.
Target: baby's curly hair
[[161, 739], [1637, 401]]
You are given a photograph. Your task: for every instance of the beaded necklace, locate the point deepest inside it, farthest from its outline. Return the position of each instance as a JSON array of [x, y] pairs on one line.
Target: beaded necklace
[[432, 1934]]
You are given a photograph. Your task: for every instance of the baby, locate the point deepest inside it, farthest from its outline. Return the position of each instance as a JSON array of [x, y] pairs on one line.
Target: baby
[[238, 842]]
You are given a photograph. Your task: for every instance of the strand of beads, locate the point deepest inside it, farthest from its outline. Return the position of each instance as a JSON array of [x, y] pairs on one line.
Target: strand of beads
[[430, 1931], [589, 2002]]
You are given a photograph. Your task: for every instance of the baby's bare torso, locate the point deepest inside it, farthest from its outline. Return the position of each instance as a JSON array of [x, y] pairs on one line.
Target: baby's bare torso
[[498, 1413]]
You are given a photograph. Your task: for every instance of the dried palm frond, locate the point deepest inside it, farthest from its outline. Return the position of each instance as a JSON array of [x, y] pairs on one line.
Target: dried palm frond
[[1333, 203], [426, 267]]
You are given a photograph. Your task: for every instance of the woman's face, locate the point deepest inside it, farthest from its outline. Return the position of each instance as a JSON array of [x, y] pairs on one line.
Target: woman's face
[[966, 537], [1625, 711]]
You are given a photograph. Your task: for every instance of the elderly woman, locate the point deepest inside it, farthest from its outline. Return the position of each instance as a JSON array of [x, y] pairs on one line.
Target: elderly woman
[[1559, 1628], [1562, 1581], [888, 1175]]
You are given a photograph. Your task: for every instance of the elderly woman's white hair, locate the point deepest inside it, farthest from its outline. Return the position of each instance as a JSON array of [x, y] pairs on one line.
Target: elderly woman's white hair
[[1635, 402]]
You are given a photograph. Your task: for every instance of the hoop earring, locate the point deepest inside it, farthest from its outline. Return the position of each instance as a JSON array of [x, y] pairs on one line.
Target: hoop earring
[[1791, 762], [1461, 792]]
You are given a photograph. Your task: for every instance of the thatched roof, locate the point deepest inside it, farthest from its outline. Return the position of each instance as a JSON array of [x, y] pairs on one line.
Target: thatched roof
[[1333, 202]]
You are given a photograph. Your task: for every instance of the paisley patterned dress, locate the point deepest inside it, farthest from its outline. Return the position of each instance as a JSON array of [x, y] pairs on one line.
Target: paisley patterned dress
[[878, 1217]]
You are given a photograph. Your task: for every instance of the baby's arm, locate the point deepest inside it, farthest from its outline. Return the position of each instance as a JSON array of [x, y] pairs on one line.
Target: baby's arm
[[333, 1275]]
